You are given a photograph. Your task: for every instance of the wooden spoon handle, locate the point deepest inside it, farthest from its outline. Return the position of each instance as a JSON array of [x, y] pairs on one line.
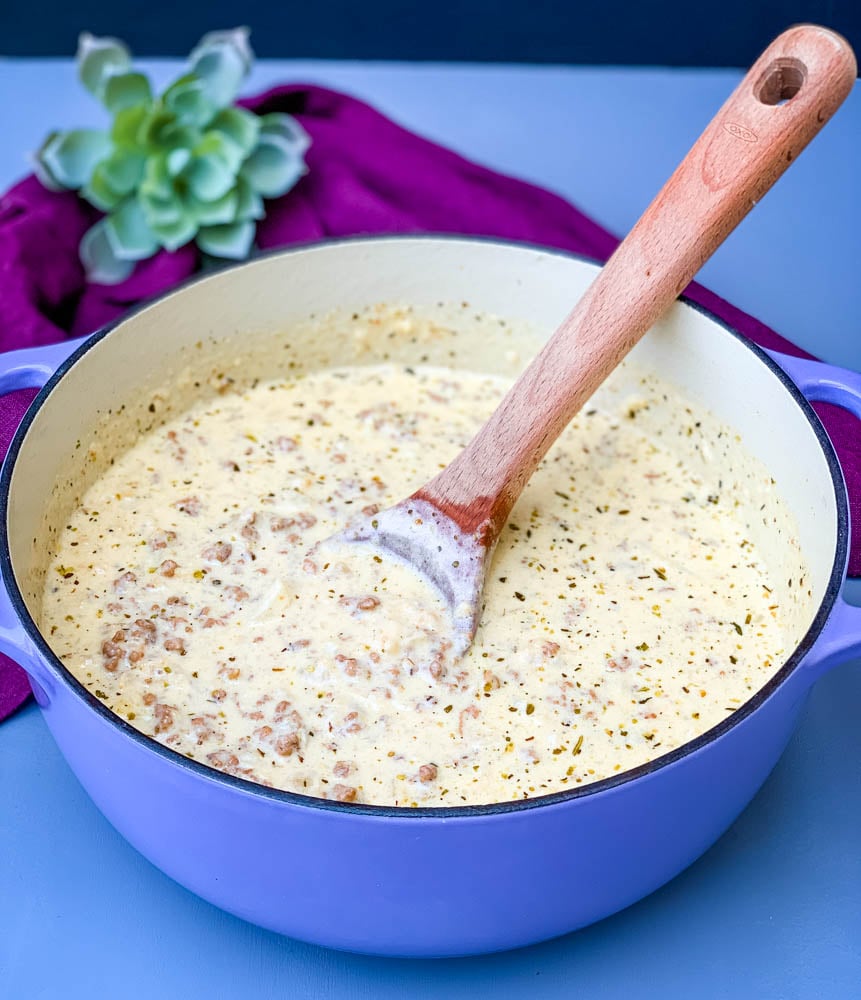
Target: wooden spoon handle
[[794, 87]]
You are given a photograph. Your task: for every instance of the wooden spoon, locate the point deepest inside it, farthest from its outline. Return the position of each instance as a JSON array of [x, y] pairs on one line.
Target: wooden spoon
[[448, 529]]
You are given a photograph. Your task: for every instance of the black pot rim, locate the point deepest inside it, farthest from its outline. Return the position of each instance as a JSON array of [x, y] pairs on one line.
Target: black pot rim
[[200, 770]]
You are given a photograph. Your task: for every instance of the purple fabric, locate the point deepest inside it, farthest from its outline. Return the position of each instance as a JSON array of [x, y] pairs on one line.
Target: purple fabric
[[366, 175]]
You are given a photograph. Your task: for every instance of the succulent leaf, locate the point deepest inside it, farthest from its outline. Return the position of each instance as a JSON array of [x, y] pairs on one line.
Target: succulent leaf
[[125, 90], [125, 131], [160, 212], [173, 235], [123, 170], [239, 125], [216, 212], [45, 176], [177, 160], [189, 101], [69, 158], [161, 130], [129, 232], [232, 240], [249, 203], [98, 59], [208, 177], [273, 168], [286, 128], [236, 38], [102, 265], [222, 59], [218, 145], [100, 192], [157, 179]]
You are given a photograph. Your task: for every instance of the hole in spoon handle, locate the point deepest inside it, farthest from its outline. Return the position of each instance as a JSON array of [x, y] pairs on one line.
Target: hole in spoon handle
[[783, 79], [809, 61]]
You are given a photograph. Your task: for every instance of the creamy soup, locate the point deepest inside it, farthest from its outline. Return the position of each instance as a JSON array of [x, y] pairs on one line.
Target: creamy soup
[[628, 610]]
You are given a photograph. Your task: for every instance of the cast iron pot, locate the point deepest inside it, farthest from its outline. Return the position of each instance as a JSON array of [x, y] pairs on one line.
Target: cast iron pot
[[423, 882]]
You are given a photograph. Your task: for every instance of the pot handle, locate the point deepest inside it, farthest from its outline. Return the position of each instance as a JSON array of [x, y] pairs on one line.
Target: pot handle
[[28, 368], [31, 367], [18, 646], [840, 639]]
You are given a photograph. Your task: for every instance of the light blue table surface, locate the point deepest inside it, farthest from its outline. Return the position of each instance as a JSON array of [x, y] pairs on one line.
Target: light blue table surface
[[774, 909]]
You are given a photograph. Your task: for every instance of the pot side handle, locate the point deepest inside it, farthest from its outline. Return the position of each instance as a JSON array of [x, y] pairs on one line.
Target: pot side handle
[[31, 367], [820, 383], [28, 368], [18, 646]]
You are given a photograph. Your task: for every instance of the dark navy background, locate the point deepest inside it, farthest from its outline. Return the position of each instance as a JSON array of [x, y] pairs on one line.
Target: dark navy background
[[635, 32]]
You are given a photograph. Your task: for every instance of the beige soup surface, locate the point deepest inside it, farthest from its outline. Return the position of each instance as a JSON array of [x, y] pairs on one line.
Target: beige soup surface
[[628, 609]]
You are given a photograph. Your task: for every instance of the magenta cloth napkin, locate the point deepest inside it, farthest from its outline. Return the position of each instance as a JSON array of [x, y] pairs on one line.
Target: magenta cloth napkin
[[366, 175]]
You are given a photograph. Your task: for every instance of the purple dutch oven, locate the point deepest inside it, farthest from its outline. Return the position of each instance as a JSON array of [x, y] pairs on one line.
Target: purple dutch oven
[[419, 882]]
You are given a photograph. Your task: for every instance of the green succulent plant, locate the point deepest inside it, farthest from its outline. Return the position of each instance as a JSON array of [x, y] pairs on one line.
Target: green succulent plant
[[185, 165]]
